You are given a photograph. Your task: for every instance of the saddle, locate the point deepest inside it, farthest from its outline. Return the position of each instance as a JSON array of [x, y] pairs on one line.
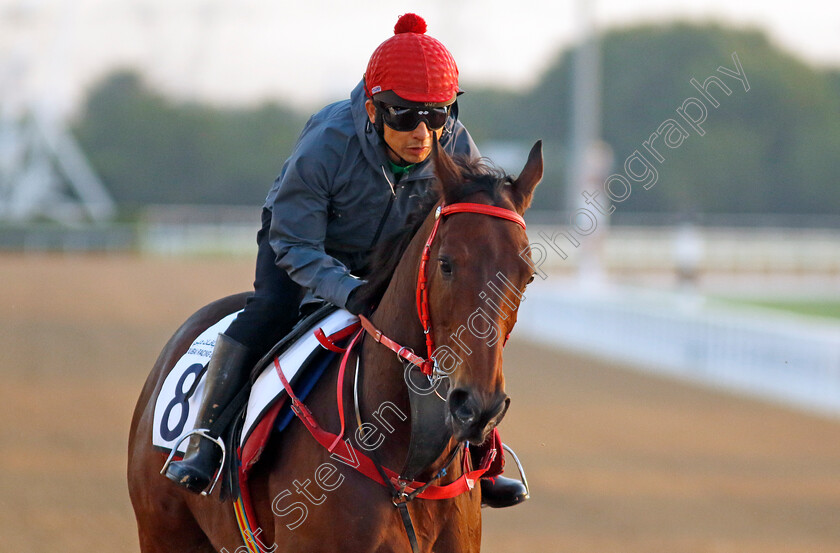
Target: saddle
[[259, 408]]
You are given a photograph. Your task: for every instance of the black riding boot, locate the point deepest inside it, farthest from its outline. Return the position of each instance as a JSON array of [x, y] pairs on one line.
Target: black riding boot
[[499, 491], [502, 492], [226, 373]]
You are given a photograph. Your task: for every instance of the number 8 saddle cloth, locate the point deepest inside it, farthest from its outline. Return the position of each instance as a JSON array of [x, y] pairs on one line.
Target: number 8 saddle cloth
[[179, 398]]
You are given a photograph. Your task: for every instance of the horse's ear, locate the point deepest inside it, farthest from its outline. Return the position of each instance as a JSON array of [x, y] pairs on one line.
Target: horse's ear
[[446, 170], [523, 187]]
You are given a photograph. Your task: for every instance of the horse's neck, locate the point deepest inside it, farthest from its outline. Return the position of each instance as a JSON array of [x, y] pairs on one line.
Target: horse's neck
[[396, 315], [384, 381]]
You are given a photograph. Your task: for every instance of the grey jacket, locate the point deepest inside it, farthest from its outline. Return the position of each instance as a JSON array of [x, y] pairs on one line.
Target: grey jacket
[[335, 197]]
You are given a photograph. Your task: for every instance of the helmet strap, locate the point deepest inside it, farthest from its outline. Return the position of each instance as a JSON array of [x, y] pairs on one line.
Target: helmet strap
[[379, 124]]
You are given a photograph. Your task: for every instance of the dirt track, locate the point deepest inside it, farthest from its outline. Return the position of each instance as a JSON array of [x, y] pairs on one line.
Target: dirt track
[[618, 462]]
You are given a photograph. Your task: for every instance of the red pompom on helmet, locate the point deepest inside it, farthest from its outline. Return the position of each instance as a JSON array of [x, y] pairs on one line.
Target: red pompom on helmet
[[412, 66]]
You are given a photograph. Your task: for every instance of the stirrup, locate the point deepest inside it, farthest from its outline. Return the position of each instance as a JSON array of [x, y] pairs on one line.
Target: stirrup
[[204, 433], [520, 468]]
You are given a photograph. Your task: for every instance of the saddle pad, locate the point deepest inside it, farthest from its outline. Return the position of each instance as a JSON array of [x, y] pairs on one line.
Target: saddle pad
[[175, 415]]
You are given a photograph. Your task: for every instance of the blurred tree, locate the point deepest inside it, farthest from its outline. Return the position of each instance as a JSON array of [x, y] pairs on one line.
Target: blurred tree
[[772, 149], [149, 149]]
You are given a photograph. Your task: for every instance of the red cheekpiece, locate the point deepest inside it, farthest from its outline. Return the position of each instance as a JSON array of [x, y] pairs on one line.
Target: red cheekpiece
[[413, 65]]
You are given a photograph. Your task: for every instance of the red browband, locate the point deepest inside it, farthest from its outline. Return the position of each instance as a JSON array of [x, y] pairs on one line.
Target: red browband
[[483, 209]]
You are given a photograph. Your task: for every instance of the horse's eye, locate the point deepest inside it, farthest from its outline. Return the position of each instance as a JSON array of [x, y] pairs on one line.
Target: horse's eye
[[530, 280], [445, 266]]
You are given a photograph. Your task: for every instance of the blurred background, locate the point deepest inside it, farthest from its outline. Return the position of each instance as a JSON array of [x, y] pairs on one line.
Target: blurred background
[[677, 360]]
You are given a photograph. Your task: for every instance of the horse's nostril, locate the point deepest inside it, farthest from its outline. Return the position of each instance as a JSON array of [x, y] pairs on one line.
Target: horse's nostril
[[465, 415], [458, 397], [461, 407]]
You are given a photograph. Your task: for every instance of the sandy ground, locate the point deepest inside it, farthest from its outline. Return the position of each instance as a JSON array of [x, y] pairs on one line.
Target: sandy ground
[[618, 462]]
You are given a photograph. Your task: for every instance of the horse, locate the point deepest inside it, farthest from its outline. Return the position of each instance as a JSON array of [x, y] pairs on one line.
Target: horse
[[469, 239]]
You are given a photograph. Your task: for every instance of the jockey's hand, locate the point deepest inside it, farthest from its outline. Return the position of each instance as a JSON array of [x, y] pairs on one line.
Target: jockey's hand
[[355, 304]]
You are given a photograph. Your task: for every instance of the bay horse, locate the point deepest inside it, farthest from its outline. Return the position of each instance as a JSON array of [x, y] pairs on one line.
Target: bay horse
[[458, 250]]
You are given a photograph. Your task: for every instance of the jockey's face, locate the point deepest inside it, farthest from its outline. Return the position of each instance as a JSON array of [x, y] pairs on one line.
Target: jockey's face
[[412, 146]]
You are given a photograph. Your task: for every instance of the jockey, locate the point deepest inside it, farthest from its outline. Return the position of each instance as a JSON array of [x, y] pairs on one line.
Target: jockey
[[359, 168]]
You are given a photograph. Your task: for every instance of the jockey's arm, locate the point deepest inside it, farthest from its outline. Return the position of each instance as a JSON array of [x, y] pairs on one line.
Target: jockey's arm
[[298, 231]]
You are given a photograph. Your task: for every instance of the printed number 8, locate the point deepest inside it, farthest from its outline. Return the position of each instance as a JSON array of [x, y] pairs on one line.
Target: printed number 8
[[181, 400]]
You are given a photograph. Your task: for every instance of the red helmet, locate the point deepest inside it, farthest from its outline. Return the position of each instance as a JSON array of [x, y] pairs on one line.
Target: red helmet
[[413, 66]]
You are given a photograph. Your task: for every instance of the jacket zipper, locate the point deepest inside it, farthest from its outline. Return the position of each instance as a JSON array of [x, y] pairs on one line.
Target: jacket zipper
[[387, 209]]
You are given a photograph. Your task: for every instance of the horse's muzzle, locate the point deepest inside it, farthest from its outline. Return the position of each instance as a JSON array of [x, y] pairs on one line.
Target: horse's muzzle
[[472, 417]]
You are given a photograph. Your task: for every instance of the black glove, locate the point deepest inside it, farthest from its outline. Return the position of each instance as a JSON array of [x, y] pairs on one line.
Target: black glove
[[355, 303]]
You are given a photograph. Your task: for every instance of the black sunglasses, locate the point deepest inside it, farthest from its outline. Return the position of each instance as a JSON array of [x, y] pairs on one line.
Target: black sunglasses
[[406, 119]]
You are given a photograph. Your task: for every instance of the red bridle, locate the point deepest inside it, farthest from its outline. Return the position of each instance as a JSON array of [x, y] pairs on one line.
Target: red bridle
[[403, 491], [422, 294]]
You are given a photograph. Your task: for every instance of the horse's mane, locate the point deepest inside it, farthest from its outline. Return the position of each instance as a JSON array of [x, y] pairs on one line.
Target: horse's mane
[[479, 176]]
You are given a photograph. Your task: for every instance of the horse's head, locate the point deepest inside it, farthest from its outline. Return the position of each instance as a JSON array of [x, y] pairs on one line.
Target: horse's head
[[477, 271]]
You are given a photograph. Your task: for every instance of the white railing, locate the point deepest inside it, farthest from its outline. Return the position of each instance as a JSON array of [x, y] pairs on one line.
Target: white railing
[[787, 358], [720, 249]]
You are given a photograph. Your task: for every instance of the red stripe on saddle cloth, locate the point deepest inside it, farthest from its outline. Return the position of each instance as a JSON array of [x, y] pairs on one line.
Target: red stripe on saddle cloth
[[253, 447]]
